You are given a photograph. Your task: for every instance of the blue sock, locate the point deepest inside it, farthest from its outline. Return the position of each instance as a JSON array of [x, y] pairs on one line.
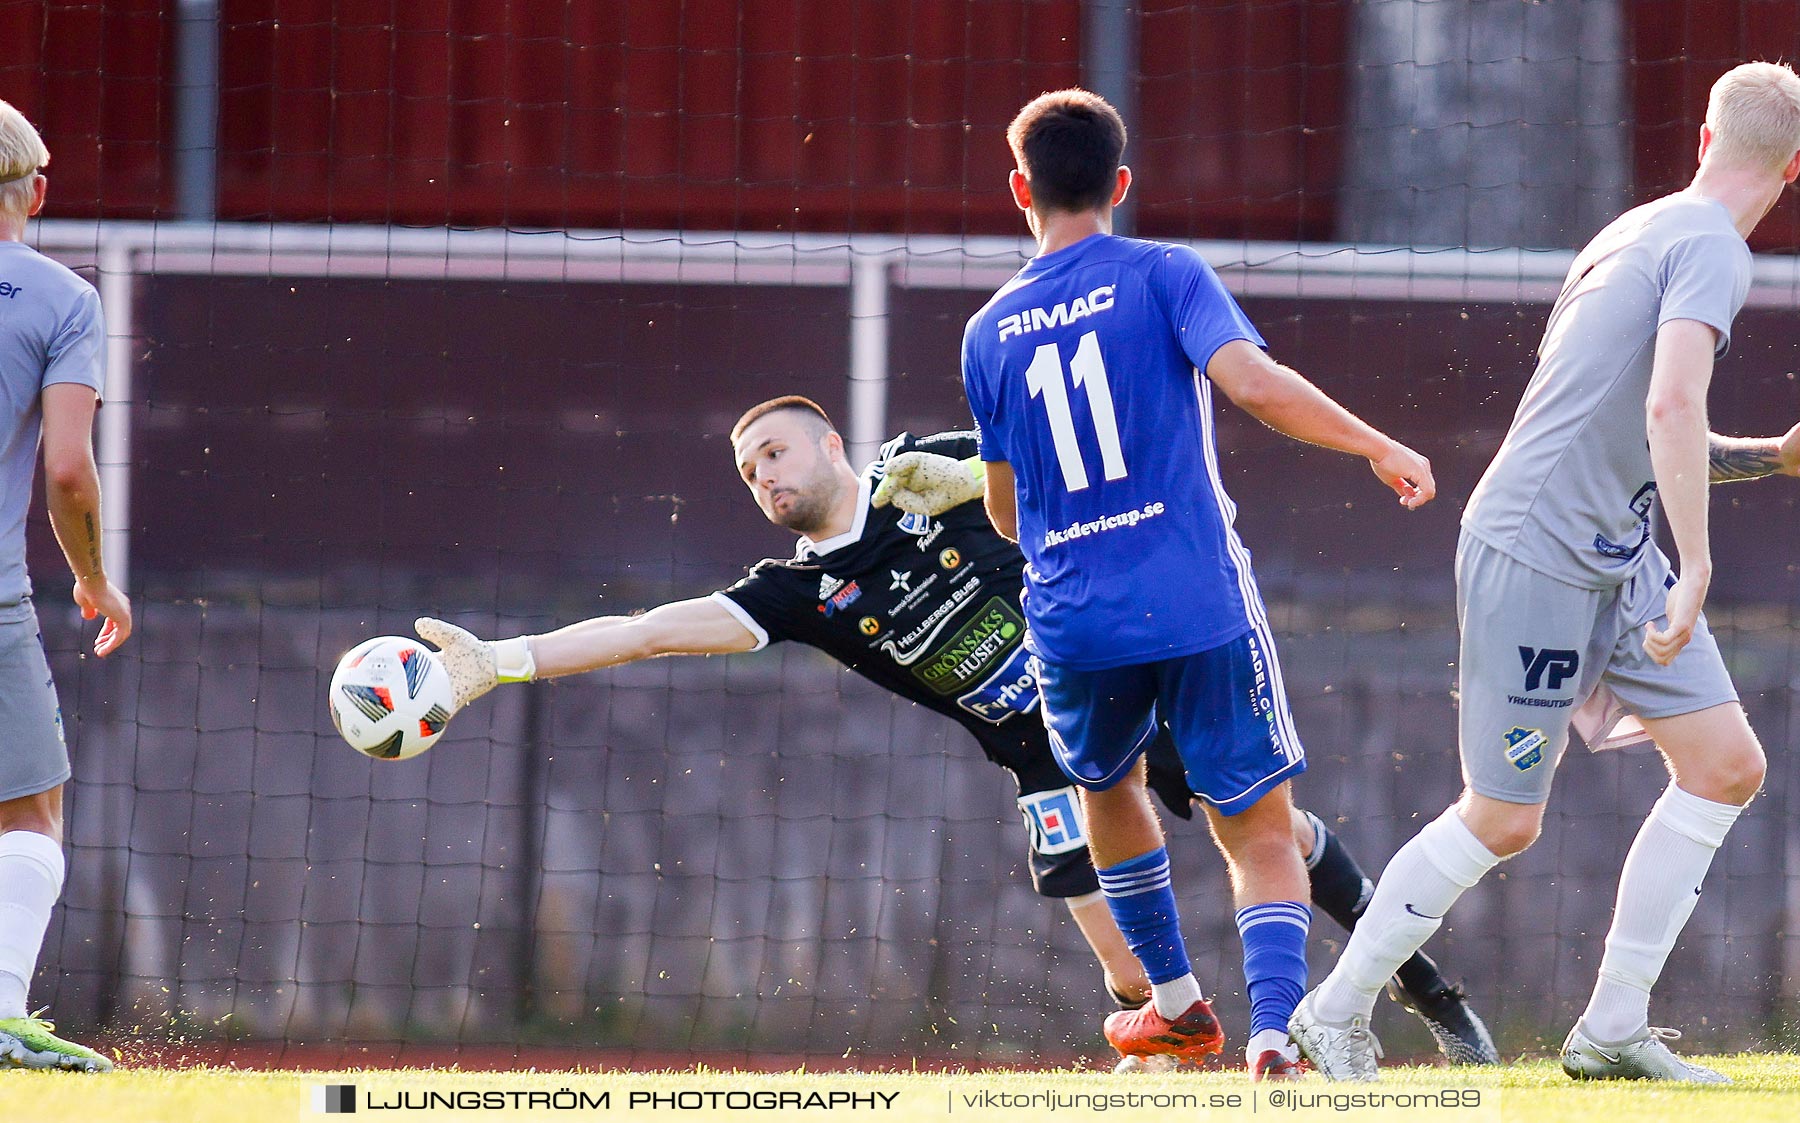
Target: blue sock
[[1274, 938], [1142, 901]]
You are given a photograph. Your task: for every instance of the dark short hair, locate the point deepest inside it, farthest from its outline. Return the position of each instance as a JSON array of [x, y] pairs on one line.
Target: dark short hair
[[786, 402], [1069, 144]]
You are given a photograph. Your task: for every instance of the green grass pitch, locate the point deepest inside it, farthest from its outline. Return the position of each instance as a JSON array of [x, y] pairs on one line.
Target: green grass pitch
[[1767, 1088]]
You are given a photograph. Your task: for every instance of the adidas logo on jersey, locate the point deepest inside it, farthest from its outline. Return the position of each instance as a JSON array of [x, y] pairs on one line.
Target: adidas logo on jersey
[[1037, 319]]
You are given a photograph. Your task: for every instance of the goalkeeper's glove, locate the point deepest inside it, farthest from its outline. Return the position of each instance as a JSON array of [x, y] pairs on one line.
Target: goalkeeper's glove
[[927, 483], [476, 665]]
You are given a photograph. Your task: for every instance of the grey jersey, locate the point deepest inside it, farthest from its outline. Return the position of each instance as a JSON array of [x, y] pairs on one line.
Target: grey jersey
[[1571, 490], [50, 332]]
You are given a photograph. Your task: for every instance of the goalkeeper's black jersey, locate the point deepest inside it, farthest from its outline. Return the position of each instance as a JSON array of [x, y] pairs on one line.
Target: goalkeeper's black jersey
[[929, 609], [926, 607]]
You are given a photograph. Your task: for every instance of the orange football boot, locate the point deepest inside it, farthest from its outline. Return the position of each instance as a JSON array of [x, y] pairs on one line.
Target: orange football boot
[[1145, 1033]]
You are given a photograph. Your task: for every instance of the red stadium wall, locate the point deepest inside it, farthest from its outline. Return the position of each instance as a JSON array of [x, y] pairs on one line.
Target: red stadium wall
[[1680, 48], [1240, 115], [94, 79], [861, 116], [856, 115], [708, 114]]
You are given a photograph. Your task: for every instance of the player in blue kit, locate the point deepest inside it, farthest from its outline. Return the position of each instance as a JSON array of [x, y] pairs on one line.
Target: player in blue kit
[[1084, 376]]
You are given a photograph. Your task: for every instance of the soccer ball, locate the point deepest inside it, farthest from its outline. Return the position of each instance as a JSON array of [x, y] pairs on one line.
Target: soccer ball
[[390, 698]]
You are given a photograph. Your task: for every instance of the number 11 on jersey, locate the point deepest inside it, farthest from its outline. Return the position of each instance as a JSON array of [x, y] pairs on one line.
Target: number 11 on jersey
[[1044, 378]]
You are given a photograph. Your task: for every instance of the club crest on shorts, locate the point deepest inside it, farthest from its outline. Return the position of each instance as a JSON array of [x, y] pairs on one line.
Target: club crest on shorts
[[1525, 747]]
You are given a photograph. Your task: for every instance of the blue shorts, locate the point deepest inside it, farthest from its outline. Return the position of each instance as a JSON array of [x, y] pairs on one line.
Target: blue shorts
[[1225, 707]]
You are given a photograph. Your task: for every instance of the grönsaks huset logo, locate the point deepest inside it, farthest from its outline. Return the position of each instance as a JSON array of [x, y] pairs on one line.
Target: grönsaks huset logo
[[1011, 689], [969, 652], [334, 1099]]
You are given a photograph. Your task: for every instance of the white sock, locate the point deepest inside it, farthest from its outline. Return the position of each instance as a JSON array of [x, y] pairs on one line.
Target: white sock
[[1174, 997], [1263, 1040], [31, 878], [1657, 892], [1415, 891]]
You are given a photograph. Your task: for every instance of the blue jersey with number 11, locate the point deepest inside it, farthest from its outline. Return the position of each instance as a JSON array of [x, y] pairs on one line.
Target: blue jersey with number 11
[[1084, 374]]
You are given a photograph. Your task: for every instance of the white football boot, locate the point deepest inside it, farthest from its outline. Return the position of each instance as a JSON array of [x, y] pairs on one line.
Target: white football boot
[[1641, 1058], [1337, 1052]]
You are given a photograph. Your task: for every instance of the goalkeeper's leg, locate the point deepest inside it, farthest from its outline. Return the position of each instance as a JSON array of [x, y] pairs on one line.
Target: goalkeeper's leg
[[1061, 868], [1125, 978]]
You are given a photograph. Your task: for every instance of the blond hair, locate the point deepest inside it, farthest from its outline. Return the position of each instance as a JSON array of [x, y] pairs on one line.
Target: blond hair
[[22, 153], [1754, 116]]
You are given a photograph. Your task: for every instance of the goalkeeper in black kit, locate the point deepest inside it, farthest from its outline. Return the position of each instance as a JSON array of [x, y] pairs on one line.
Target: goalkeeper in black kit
[[925, 602]]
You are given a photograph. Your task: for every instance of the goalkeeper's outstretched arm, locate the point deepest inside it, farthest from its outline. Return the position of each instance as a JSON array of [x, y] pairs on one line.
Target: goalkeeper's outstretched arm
[[689, 627]]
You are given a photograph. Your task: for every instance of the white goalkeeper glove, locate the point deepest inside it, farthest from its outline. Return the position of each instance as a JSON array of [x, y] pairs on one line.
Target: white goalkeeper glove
[[476, 665], [927, 483]]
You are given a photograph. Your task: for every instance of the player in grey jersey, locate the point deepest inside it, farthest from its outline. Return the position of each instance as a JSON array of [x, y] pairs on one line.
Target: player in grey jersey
[[1569, 611], [51, 347]]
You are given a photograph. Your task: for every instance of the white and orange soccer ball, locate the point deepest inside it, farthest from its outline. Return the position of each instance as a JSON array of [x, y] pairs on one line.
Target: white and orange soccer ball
[[390, 698]]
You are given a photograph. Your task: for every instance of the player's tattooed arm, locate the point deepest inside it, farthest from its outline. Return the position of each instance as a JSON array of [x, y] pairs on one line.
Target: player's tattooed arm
[[72, 494], [1737, 458], [1749, 458]]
